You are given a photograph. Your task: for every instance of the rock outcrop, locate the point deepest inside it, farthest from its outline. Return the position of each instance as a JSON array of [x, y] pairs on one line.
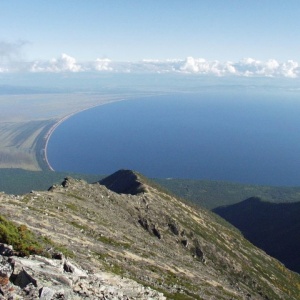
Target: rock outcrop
[[37, 277]]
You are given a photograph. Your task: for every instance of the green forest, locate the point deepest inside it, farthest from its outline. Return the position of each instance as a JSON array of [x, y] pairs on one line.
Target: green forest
[[208, 194]]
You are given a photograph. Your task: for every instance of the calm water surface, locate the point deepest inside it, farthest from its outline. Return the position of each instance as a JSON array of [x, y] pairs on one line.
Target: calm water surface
[[234, 138]]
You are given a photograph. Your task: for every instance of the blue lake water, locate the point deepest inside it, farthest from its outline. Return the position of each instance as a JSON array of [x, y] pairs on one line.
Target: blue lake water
[[241, 138]]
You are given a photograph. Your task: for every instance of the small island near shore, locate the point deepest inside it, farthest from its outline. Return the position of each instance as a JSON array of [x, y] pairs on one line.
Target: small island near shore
[[25, 131]]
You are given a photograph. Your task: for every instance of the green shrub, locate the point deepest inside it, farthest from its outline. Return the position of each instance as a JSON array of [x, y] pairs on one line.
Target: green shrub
[[20, 237]]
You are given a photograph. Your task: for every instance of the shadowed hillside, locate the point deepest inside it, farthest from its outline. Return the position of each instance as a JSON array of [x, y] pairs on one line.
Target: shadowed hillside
[[273, 227], [124, 182]]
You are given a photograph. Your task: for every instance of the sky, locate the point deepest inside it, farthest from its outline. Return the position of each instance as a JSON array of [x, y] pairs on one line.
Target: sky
[[259, 37]]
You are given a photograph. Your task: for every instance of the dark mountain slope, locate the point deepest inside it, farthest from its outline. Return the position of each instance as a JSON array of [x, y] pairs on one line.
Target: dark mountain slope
[[124, 182], [273, 227]]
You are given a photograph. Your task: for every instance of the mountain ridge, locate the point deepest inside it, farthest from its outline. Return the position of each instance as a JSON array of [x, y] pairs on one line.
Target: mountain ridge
[[153, 238]]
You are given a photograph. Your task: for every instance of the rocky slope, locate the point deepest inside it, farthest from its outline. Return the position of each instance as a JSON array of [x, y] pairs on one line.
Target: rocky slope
[[144, 234], [39, 277]]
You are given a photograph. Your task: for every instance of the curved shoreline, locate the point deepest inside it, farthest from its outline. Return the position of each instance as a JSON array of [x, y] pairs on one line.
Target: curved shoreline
[[48, 135], [60, 121]]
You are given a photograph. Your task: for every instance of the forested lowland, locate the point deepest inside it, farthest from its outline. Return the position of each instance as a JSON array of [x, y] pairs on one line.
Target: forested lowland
[[18, 181], [212, 194], [205, 193]]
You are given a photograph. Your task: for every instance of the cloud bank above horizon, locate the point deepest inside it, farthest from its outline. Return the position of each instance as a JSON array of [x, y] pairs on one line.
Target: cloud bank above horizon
[[247, 67]]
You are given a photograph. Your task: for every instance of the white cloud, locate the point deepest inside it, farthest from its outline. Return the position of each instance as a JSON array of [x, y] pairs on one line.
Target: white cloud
[[103, 64], [247, 67], [64, 63], [290, 69], [252, 67], [202, 66], [270, 68]]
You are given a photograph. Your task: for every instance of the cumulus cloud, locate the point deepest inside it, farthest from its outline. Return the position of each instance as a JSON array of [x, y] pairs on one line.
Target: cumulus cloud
[[290, 69], [270, 68], [247, 67], [154, 66], [103, 64], [202, 66], [67, 63], [64, 63]]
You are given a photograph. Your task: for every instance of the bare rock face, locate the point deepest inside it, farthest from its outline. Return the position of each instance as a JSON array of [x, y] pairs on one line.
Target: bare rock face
[[38, 277], [5, 271], [150, 227], [174, 227]]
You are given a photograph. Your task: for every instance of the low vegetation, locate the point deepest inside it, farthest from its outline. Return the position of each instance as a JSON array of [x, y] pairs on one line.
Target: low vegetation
[[20, 237], [25, 242]]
